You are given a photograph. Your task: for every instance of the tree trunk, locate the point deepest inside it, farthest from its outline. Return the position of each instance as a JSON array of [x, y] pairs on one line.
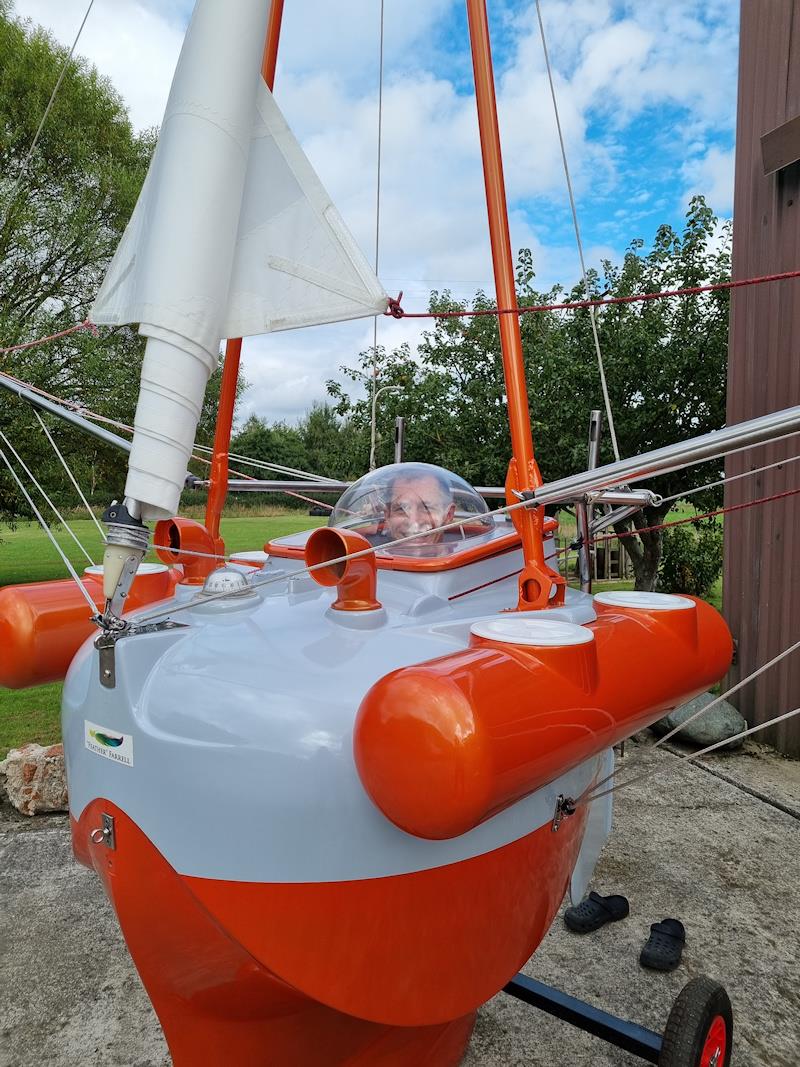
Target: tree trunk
[[644, 550]]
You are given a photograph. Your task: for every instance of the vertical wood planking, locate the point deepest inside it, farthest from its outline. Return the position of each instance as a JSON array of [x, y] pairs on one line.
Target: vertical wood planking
[[762, 575]]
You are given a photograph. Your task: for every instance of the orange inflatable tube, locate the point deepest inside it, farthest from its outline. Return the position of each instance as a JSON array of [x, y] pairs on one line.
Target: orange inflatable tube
[[444, 745], [43, 624]]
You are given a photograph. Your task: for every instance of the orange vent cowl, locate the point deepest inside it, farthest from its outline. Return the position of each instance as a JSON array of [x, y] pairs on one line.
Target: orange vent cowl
[[188, 544], [355, 579]]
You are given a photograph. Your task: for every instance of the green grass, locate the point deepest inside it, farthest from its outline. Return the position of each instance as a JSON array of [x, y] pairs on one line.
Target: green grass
[[26, 555], [30, 715]]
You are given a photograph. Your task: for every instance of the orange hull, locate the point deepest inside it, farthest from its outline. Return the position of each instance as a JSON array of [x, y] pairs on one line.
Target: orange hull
[[385, 971]]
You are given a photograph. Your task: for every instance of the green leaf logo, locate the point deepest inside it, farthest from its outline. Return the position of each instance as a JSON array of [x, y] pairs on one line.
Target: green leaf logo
[[105, 740]]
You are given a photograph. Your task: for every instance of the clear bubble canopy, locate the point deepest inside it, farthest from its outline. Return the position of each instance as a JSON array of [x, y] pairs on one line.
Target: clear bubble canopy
[[409, 501]]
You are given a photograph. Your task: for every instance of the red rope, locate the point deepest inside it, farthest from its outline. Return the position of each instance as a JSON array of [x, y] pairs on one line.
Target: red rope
[[85, 325], [691, 518], [697, 518], [395, 311]]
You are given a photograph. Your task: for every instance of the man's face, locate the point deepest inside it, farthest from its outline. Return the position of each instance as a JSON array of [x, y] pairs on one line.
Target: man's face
[[417, 505]]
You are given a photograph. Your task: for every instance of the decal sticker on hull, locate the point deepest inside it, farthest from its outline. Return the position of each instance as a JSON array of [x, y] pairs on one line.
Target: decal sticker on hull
[[109, 743]]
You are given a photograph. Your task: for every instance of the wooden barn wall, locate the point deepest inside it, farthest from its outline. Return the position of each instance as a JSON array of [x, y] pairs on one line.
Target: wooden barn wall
[[761, 587]]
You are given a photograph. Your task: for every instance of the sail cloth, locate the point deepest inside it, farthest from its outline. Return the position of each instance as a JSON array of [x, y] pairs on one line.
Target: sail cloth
[[233, 235]]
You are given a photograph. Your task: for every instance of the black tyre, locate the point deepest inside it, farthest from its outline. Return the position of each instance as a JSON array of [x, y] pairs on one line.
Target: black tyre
[[699, 1030]]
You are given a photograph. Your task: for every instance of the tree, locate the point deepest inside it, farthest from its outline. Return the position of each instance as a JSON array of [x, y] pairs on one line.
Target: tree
[[60, 222], [665, 364], [276, 443], [325, 438]]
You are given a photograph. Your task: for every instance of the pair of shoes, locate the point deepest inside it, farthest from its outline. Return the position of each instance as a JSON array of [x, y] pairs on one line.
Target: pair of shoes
[[663, 948]]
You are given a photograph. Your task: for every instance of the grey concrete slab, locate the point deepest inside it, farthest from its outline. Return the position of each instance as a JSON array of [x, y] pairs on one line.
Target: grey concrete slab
[[686, 844]]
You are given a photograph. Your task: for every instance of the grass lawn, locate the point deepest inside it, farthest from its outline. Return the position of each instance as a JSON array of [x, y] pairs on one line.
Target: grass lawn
[[26, 555]]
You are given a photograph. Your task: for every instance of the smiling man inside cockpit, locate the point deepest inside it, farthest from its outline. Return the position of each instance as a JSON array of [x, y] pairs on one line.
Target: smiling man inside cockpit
[[417, 502]]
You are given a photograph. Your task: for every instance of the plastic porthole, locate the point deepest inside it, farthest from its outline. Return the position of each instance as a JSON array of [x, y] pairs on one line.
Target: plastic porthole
[[699, 1030]]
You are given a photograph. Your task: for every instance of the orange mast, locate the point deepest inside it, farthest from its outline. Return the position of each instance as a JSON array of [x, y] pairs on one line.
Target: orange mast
[[537, 579], [218, 478]]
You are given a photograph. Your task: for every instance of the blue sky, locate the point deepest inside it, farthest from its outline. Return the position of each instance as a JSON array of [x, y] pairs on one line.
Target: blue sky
[[647, 94]]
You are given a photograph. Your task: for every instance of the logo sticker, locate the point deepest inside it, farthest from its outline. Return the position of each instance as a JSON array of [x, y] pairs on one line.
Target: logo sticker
[[109, 743]]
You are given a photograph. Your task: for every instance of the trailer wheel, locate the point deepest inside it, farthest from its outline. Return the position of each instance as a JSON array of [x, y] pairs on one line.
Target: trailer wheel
[[699, 1029]]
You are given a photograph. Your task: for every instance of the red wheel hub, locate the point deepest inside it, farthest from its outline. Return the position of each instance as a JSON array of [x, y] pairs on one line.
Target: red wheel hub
[[713, 1054]]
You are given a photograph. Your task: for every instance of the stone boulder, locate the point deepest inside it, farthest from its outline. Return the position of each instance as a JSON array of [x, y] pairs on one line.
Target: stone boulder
[[721, 722], [34, 777]]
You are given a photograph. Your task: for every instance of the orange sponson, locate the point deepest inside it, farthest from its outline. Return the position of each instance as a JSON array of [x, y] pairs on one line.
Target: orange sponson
[[43, 624], [355, 579], [188, 543], [444, 745]]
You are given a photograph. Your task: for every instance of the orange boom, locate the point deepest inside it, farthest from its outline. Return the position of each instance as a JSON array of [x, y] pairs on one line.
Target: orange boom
[[441, 746]]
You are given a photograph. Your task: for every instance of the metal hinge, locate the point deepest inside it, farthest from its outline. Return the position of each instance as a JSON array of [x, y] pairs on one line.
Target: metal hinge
[[565, 806], [113, 630], [105, 645]]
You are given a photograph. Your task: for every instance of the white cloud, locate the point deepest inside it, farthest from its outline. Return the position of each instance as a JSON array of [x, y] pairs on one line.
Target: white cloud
[[711, 175], [615, 61], [132, 42]]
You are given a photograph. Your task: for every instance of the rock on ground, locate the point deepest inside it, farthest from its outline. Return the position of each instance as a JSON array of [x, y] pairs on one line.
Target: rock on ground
[[35, 780], [721, 722]]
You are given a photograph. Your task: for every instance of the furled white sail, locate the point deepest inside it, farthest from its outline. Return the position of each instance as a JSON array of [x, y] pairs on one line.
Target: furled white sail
[[233, 234]]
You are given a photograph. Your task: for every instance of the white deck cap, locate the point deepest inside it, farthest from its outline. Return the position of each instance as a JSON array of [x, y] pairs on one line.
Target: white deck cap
[[645, 601], [254, 556], [144, 568], [522, 630]]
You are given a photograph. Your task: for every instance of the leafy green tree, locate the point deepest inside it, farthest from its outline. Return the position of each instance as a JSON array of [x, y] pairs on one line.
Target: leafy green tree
[[692, 558], [61, 219], [327, 448], [665, 363], [276, 443]]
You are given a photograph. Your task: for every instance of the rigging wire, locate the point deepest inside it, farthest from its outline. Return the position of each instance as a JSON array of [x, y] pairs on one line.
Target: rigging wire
[[58, 514], [26, 162], [265, 465], [695, 518], [653, 771], [48, 531], [590, 794], [94, 416], [70, 475], [729, 478], [598, 353], [377, 236]]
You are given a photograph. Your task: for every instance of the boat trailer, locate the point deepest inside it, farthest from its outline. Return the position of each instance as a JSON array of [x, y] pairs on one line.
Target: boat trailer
[[697, 1034]]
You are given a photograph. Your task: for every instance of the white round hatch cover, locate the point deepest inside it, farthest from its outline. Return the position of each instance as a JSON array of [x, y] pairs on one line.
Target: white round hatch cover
[[523, 630], [645, 601], [250, 557]]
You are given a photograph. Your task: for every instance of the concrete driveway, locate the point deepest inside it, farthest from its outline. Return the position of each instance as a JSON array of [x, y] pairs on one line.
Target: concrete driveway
[[720, 853]]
